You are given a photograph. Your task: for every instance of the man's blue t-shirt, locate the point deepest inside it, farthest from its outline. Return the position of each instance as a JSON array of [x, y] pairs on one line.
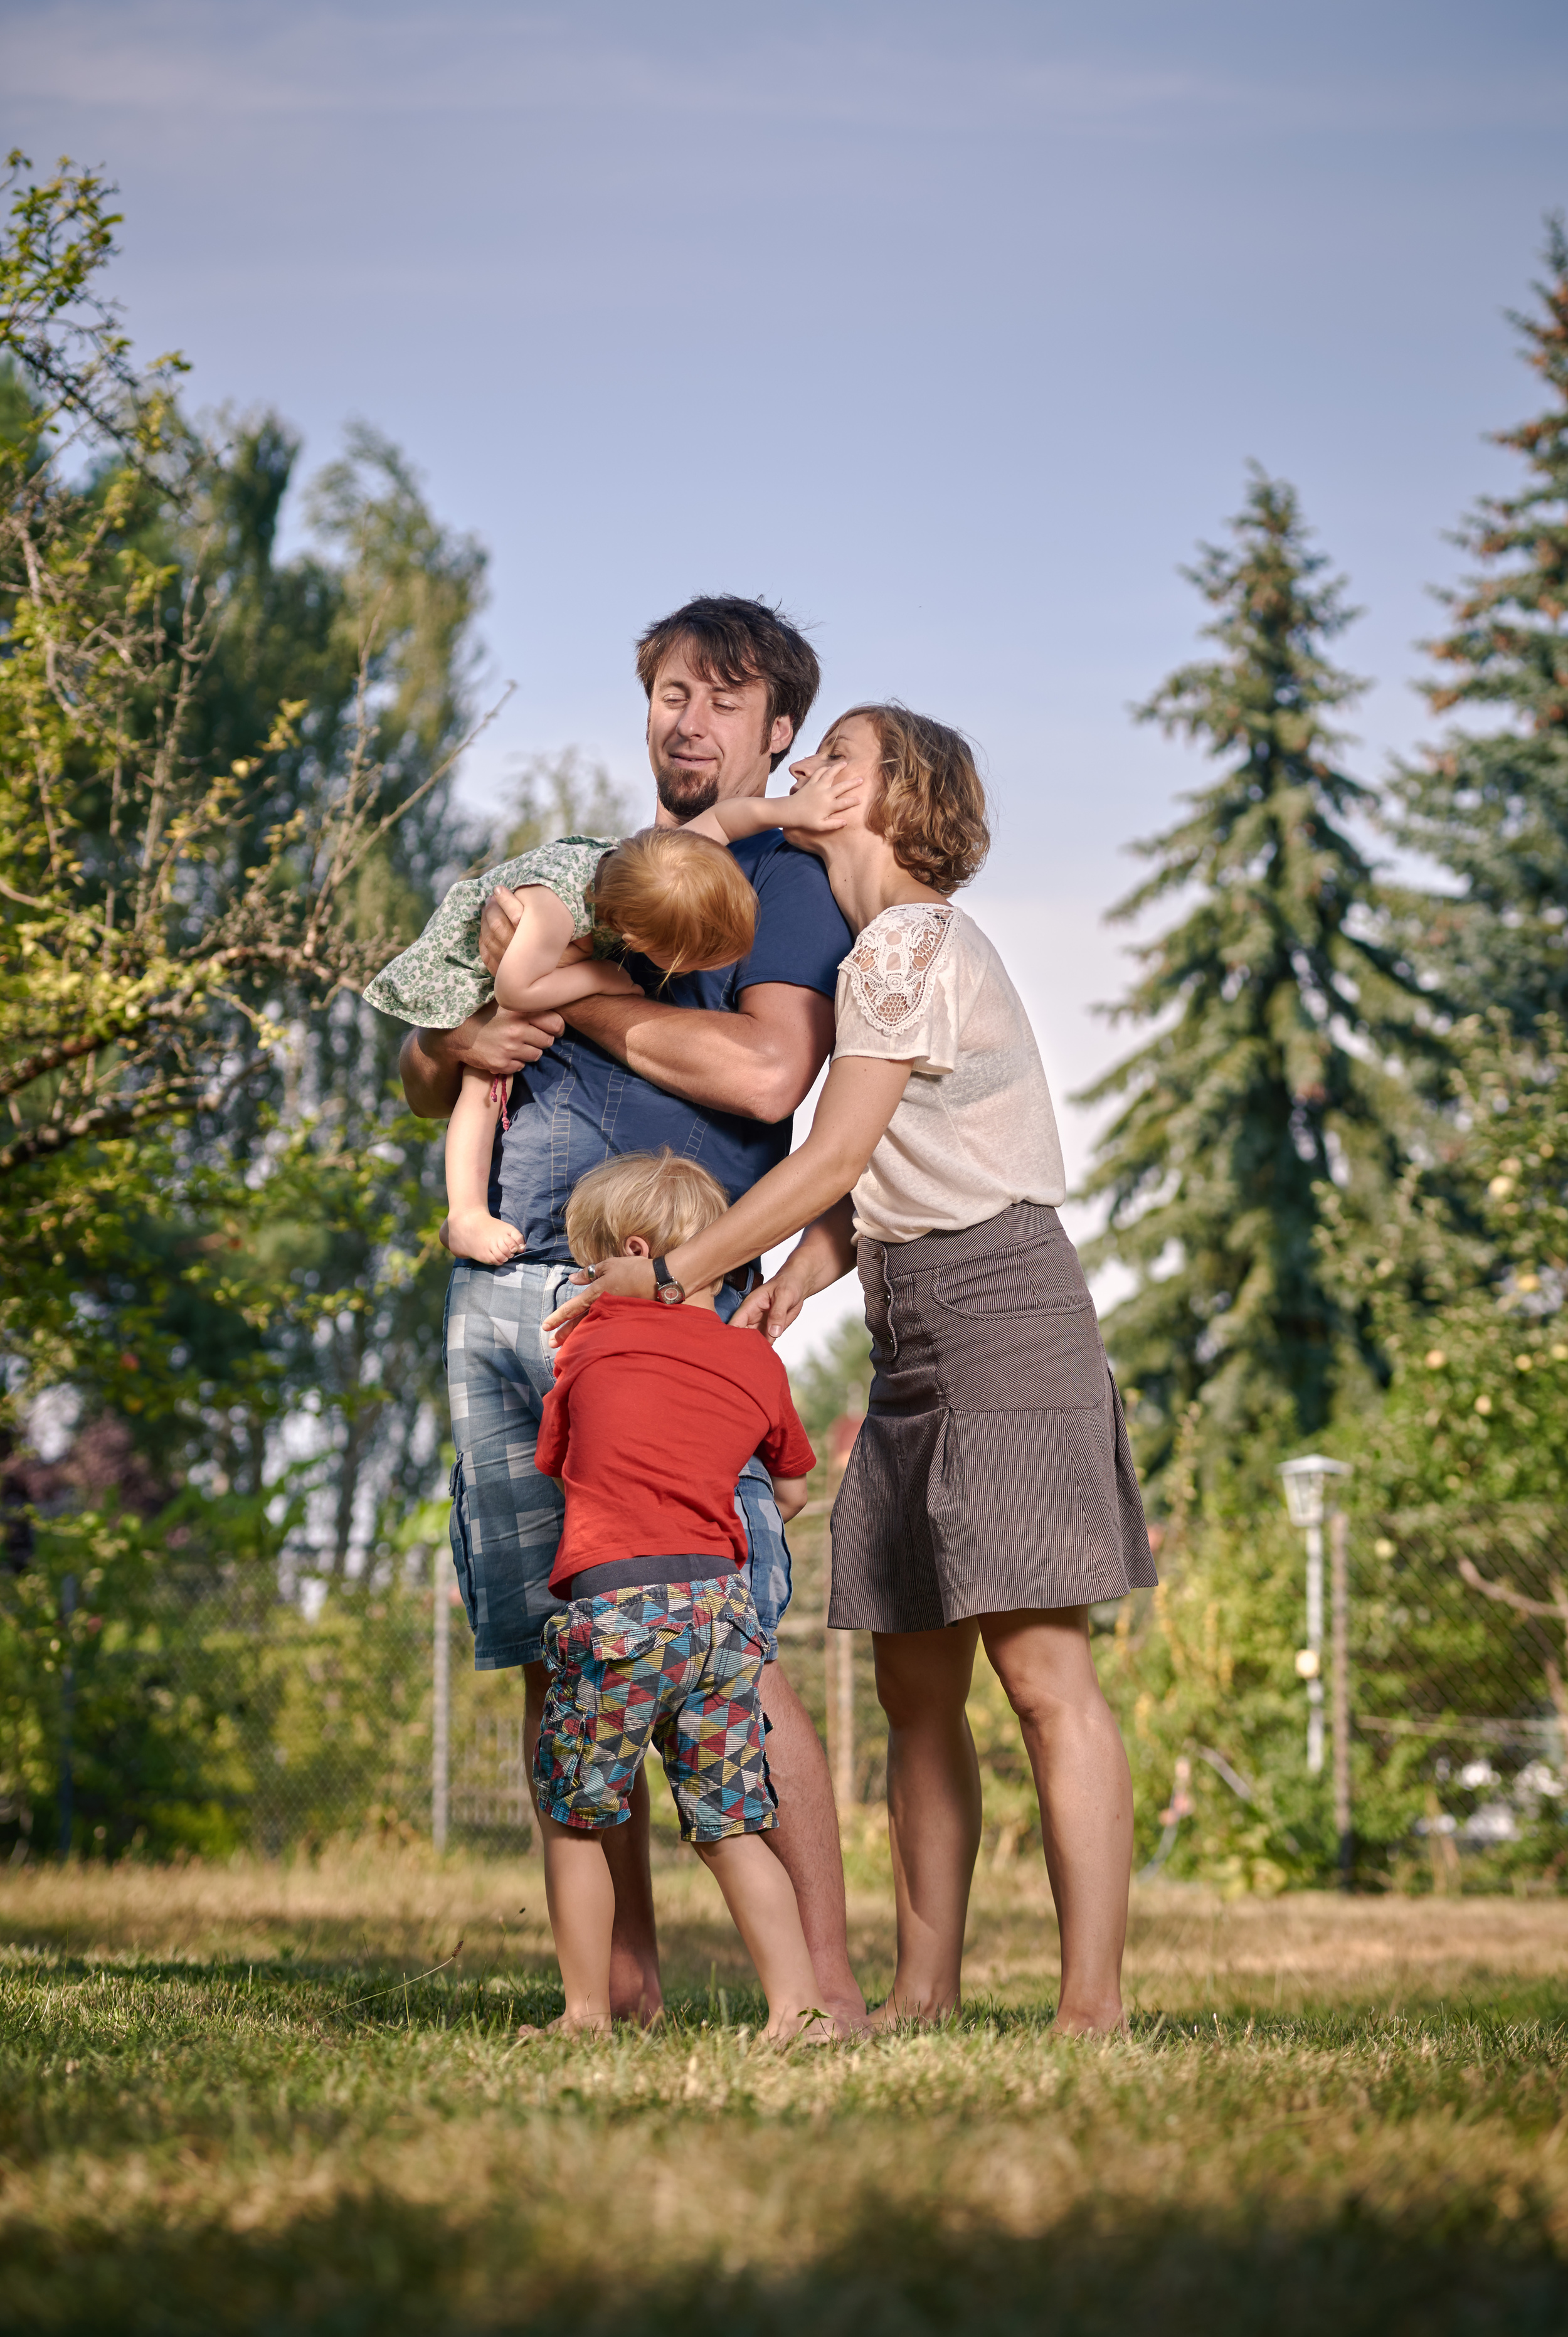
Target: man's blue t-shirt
[[577, 1106]]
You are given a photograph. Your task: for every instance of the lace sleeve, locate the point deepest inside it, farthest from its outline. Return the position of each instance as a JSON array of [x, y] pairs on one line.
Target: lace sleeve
[[892, 996]]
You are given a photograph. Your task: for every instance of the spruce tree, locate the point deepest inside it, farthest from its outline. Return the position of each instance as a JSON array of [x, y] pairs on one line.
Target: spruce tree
[[1281, 1016], [1491, 804]]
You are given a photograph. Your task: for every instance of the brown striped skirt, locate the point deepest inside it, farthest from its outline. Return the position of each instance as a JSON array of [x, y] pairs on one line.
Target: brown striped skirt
[[993, 1471]]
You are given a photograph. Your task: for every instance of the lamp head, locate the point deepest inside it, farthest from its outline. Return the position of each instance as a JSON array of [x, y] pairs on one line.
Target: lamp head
[[1306, 1486]]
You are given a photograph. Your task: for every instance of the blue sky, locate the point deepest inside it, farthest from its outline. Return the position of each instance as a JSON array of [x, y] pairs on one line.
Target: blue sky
[[952, 327]]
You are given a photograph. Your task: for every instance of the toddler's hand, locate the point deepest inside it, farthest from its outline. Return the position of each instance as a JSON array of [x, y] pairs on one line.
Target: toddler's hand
[[818, 805]]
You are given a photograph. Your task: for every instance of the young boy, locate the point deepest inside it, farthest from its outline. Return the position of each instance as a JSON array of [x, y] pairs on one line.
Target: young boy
[[655, 1411]]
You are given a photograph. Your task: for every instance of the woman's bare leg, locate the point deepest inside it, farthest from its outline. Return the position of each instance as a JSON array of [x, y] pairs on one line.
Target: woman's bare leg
[[1085, 1787], [933, 1810]]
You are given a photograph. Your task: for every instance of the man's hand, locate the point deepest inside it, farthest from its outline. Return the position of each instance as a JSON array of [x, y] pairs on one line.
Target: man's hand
[[495, 1041], [498, 921]]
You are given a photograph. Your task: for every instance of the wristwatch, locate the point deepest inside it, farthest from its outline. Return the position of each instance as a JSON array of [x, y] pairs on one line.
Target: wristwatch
[[667, 1290]]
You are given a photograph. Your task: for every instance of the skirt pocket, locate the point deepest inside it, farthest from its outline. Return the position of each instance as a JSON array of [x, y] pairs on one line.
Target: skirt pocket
[[1043, 1279]]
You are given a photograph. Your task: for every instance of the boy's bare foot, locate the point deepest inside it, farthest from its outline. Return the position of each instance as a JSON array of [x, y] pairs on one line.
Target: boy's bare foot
[[563, 2026], [476, 1233]]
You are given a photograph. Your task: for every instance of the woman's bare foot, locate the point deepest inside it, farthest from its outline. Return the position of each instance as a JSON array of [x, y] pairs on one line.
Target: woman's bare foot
[[563, 2026], [476, 1233]]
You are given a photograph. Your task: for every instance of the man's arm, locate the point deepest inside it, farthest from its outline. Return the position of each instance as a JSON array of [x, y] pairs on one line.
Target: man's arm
[[758, 1062], [431, 1062]]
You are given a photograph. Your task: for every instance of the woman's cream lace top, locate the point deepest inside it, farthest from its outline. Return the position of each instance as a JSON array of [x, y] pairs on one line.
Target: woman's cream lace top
[[975, 1130]]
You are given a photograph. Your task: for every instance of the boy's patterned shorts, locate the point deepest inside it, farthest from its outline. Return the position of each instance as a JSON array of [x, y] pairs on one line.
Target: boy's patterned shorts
[[676, 1666]]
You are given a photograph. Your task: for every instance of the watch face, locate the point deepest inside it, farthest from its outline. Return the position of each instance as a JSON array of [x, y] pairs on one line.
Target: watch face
[[670, 1293]]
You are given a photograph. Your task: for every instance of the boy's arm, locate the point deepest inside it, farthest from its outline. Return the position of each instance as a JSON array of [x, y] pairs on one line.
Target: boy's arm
[[786, 1451], [790, 1493]]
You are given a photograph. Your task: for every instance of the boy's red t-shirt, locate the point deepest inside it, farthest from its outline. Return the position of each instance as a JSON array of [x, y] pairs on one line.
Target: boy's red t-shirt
[[654, 1413]]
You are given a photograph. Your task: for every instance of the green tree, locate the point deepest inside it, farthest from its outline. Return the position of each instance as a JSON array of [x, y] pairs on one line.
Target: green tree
[[1490, 804], [222, 797], [560, 795], [1465, 1296], [1281, 1016]]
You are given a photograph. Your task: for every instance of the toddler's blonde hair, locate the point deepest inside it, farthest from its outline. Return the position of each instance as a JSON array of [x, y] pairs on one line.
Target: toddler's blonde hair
[[663, 1199], [681, 896]]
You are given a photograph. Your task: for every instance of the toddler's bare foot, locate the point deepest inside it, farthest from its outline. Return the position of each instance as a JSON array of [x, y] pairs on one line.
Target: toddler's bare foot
[[476, 1233], [563, 2026]]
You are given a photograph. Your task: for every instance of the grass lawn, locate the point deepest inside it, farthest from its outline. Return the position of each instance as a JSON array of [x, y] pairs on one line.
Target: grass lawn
[[229, 2103]]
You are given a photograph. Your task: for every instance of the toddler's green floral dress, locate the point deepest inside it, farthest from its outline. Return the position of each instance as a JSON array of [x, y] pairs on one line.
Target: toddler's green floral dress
[[438, 981]]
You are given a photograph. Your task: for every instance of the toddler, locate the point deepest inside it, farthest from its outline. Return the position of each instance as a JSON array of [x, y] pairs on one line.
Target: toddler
[[670, 894], [655, 1411]]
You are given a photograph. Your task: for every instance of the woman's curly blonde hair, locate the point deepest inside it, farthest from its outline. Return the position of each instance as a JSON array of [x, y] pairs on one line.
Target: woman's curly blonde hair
[[932, 808]]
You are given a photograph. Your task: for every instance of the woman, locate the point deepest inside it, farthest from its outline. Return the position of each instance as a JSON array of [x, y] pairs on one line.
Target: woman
[[990, 1494]]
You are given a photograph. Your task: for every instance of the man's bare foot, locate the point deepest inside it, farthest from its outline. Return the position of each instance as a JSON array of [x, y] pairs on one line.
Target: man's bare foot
[[809, 2027], [893, 2020], [1074, 2023], [563, 2026], [634, 1999], [640, 2018], [476, 1233]]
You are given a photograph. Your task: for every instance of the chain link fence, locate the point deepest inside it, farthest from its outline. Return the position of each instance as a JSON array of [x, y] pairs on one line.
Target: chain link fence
[[1456, 1698], [219, 1714], [214, 1714]]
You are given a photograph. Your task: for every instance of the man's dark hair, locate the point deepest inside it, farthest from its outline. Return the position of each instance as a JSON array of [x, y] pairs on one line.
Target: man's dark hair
[[733, 640]]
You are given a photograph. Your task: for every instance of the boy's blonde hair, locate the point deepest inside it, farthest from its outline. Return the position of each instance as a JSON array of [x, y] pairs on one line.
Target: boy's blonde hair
[[683, 897], [663, 1199]]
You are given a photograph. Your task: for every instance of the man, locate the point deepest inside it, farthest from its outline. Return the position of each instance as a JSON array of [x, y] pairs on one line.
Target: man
[[714, 1065]]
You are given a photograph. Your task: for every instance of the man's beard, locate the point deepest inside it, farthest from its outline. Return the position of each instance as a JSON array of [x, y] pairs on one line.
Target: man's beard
[[684, 794]]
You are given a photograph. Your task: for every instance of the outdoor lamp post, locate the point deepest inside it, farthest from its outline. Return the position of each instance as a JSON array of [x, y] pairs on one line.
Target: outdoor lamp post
[[1307, 1501]]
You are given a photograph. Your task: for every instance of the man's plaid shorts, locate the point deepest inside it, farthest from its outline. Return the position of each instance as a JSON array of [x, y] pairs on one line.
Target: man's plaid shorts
[[676, 1665]]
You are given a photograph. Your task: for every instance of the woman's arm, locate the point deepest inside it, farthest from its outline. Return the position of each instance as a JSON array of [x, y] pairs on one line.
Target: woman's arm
[[859, 1097], [531, 978]]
